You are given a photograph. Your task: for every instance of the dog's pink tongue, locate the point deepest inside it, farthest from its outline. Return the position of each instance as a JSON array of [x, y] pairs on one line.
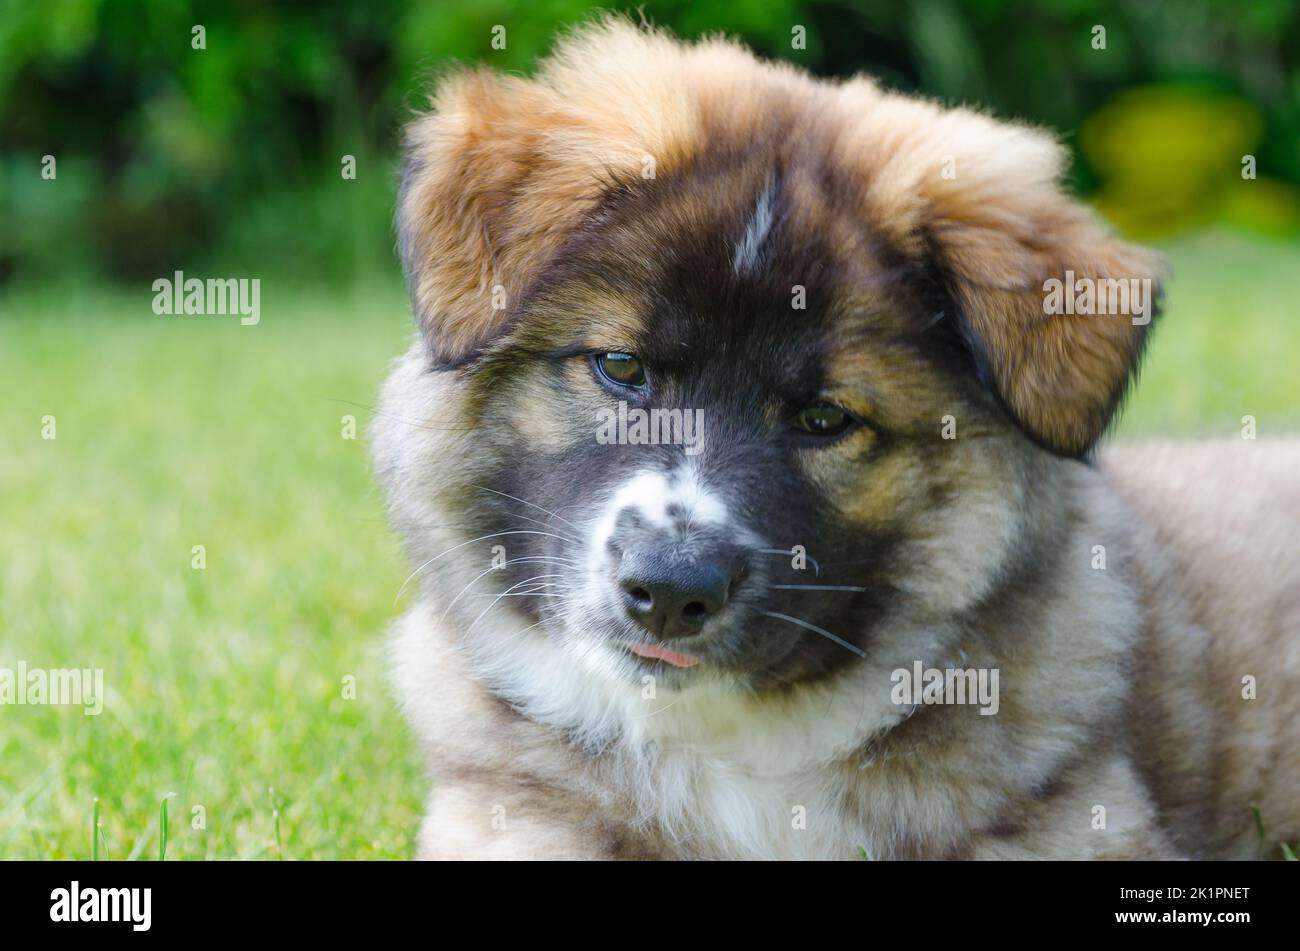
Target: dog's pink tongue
[[662, 653]]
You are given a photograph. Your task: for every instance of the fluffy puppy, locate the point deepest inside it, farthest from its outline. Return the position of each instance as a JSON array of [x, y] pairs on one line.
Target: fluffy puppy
[[738, 398]]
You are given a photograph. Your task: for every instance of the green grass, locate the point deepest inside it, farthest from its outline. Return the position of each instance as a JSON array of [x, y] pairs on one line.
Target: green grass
[[225, 685], [1227, 346]]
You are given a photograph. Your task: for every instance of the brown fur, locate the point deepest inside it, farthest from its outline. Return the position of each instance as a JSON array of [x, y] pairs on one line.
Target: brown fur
[[1122, 686], [1215, 546], [505, 168]]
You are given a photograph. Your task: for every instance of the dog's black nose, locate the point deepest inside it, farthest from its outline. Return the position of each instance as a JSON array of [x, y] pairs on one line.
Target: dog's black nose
[[671, 595]]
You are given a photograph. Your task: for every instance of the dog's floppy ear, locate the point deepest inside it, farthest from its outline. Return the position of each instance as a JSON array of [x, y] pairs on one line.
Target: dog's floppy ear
[[502, 169], [1023, 261], [1016, 271], [477, 211]]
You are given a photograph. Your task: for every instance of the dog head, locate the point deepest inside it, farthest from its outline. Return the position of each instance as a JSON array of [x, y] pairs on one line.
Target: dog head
[[738, 367]]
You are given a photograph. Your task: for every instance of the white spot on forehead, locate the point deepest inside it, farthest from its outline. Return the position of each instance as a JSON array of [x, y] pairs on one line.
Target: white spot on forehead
[[749, 250]]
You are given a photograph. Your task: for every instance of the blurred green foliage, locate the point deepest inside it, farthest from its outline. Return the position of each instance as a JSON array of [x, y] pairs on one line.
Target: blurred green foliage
[[170, 156]]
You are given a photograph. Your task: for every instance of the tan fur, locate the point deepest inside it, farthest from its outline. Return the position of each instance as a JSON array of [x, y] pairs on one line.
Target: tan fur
[[512, 164], [1002, 226], [1218, 531], [1121, 686]]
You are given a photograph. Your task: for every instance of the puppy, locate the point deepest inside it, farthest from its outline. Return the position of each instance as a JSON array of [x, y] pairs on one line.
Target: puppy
[[737, 402]]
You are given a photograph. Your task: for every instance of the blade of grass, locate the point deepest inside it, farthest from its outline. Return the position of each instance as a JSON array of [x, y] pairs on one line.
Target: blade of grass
[[275, 815], [162, 827]]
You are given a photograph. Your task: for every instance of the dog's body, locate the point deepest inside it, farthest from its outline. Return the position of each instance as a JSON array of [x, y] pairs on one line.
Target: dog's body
[[1122, 602]]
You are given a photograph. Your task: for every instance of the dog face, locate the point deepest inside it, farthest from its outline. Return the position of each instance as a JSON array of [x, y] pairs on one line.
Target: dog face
[[746, 376]]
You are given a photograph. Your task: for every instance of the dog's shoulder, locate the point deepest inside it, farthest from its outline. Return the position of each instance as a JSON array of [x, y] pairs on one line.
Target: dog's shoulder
[[1216, 529], [1228, 514]]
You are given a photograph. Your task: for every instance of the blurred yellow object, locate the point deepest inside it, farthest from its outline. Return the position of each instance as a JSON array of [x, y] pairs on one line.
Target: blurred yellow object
[[1171, 157], [1267, 204]]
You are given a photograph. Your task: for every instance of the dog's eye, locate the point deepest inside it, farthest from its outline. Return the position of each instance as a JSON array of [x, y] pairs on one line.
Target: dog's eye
[[823, 419], [621, 369]]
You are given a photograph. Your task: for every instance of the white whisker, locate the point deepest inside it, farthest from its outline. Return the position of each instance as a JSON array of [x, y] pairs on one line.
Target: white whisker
[[817, 569], [538, 521], [503, 594], [519, 531], [517, 594], [817, 630], [817, 587], [526, 502], [513, 561]]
